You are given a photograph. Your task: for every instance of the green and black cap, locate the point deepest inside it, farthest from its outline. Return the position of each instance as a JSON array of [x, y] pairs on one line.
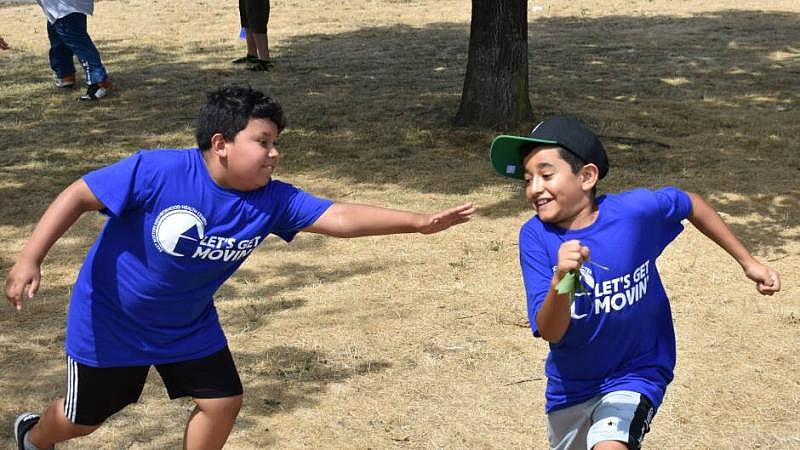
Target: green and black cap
[[567, 132]]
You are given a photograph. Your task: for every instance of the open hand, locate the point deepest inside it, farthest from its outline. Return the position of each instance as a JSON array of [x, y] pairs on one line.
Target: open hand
[[434, 223], [22, 275]]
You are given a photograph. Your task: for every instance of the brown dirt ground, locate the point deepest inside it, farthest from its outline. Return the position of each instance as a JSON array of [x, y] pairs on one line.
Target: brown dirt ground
[[422, 342]]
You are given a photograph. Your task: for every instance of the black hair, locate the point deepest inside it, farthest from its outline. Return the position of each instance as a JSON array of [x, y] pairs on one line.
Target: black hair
[[575, 162], [228, 109]]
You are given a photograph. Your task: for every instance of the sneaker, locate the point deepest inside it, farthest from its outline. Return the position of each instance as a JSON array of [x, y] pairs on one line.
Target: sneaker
[[22, 425], [66, 82], [245, 59], [96, 91], [260, 65]]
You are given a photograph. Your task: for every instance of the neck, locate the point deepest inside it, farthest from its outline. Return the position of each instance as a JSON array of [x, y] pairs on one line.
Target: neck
[[583, 218], [215, 169]]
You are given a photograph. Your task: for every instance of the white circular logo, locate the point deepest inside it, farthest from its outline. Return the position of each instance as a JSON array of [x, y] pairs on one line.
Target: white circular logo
[[178, 230]]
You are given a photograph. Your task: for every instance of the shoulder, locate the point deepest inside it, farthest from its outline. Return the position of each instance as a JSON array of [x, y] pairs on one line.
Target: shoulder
[[168, 162], [638, 199], [534, 232], [641, 202]]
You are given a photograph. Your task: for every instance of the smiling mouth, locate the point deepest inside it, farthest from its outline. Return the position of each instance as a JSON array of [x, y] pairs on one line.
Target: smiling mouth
[[542, 201]]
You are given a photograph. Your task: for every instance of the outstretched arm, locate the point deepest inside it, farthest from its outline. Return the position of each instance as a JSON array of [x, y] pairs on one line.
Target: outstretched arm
[[706, 219], [354, 220], [76, 199]]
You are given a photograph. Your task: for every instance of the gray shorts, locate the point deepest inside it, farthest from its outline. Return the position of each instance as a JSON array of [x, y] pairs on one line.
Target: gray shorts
[[617, 416]]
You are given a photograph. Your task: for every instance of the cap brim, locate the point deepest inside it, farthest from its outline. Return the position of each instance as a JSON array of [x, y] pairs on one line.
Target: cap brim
[[505, 154]]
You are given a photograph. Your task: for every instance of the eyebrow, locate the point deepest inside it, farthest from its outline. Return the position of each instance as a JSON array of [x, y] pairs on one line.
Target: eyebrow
[[545, 165]]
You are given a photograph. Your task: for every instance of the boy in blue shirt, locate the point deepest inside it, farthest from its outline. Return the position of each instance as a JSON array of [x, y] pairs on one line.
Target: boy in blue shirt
[[612, 344], [180, 223]]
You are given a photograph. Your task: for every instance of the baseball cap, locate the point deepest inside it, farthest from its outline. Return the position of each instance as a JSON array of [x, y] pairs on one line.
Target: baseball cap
[[505, 153]]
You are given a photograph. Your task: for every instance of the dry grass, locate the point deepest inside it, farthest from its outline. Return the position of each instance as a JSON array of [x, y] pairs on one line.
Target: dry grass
[[421, 342]]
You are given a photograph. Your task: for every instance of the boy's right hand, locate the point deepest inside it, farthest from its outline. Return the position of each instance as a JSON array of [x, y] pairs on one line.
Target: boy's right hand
[[570, 256], [767, 280], [23, 274]]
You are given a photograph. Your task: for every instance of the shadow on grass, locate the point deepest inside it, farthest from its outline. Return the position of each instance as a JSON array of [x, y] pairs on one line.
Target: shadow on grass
[[705, 102], [708, 103], [278, 379]]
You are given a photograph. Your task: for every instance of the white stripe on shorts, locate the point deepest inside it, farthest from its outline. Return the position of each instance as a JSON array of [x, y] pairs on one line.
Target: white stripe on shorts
[[70, 401]]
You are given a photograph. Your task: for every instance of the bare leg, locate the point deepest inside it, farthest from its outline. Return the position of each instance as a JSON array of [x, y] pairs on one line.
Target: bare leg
[[251, 43], [53, 427], [262, 45], [610, 445], [211, 422]]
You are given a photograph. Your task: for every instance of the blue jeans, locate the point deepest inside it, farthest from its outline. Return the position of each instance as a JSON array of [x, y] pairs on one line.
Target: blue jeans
[[68, 36]]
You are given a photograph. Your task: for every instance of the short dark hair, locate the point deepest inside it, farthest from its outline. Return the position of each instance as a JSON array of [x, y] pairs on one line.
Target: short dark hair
[[229, 109], [574, 161]]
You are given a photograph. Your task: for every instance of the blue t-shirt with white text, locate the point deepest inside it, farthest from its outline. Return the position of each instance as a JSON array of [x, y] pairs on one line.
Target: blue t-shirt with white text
[[620, 336], [144, 294]]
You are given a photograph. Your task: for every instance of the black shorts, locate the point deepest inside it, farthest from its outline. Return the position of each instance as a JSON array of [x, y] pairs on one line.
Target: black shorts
[[95, 393], [254, 15]]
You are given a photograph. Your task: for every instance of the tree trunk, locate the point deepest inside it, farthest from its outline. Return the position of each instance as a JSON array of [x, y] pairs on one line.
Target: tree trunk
[[495, 90]]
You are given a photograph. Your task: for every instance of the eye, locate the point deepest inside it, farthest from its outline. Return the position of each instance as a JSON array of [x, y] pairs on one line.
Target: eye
[[547, 176]]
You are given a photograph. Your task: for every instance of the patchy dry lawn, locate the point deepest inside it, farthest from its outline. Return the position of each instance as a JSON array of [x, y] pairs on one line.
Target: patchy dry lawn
[[412, 341]]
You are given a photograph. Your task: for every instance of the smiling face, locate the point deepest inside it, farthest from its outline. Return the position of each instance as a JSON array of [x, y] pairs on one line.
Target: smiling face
[[249, 160], [558, 195]]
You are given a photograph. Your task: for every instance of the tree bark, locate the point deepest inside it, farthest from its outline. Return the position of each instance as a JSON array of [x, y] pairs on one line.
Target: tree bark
[[495, 90]]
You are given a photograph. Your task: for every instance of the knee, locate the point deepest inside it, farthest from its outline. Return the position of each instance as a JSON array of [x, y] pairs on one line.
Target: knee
[[221, 407]]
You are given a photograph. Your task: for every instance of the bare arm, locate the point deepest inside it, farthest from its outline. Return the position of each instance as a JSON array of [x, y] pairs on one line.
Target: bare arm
[[706, 219], [354, 220], [60, 215], [554, 315]]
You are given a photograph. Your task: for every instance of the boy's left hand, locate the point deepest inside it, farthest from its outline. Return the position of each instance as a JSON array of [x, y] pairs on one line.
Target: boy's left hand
[[434, 223], [767, 280]]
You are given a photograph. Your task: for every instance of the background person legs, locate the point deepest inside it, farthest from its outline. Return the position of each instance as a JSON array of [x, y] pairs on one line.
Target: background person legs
[[71, 30], [60, 58], [254, 17]]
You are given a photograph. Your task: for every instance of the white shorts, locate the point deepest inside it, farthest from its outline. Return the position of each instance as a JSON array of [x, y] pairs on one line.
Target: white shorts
[[623, 416]]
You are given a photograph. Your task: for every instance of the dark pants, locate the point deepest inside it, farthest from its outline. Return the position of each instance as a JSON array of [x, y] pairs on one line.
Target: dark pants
[[68, 37], [254, 15]]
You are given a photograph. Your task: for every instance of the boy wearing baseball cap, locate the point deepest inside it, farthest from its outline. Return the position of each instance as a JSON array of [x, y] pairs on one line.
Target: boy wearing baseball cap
[[612, 344]]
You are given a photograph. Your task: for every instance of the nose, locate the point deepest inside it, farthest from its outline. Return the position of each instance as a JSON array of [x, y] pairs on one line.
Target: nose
[[535, 186], [273, 152]]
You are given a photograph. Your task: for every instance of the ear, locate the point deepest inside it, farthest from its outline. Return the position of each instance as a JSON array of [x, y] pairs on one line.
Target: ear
[[219, 145], [589, 176]]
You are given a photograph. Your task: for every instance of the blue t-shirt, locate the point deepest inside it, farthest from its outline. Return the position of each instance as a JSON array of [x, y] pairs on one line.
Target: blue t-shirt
[[620, 336], [145, 292]]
